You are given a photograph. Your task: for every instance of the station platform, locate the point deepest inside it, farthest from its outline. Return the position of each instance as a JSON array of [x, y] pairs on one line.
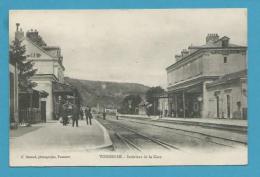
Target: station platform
[[231, 122], [53, 136], [52, 144], [232, 130], [234, 122]]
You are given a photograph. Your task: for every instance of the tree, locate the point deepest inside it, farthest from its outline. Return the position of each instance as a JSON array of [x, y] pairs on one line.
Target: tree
[[129, 104], [152, 98], [25, 67]]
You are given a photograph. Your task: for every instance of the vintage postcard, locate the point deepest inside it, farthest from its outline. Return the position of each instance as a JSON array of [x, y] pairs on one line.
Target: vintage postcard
[[128, 87]]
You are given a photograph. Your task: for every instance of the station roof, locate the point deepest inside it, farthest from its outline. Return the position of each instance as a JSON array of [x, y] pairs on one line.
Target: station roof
[[228, 78]]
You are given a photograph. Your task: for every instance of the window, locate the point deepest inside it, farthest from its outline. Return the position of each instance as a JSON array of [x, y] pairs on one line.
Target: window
[[225, 59], [225, 43]]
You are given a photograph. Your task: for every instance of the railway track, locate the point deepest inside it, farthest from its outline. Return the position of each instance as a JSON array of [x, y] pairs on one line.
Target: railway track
[[132, 145], [163, 144], [129, 143]]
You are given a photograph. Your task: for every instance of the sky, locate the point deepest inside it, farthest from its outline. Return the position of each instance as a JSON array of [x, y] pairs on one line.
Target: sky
[[128, 45]]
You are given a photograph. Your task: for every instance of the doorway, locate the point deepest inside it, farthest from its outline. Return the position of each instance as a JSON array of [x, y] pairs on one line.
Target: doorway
[[228, 106], [217, 97], [43, 111]]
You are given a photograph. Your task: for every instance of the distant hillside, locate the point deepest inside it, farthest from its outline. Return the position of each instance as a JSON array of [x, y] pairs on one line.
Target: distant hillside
[[109, 94]]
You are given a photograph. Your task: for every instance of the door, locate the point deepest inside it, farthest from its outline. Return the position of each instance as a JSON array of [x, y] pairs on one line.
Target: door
[[43, 111], [228, 106], [217, 97], [244, 113]]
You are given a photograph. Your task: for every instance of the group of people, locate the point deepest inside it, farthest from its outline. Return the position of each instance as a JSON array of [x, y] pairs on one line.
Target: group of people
[[74, 112]]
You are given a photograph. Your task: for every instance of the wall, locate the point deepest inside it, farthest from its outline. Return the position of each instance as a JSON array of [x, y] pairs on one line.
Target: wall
[[44, 67], [42, 61], [186, 71], [213, 64], [58, 72]]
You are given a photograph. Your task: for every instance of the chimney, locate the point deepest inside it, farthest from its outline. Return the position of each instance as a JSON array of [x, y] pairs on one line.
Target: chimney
[[191, 49], [212, 38], [177, 57], [225, 41], [184, 53], [19, 34], [32, 34], [17, 26]]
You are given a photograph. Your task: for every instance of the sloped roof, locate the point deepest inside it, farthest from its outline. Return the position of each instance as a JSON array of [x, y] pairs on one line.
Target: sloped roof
[[216, 45], [213, 45], [142, 103], [42, 93], [45, 49], [229, 77], [39, 47], [60, 87]]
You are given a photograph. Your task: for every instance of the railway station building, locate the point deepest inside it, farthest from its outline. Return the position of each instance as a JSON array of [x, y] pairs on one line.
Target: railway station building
[[49, 77], [209, 81]]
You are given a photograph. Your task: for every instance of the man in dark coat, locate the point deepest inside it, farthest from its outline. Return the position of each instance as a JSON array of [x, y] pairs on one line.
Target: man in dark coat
[[75, 116], [88, 115]]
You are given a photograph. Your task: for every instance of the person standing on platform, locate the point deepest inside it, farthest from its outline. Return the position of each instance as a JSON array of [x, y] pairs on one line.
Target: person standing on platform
[[117, 115], [104, 115], [75, 116], [88, 115]]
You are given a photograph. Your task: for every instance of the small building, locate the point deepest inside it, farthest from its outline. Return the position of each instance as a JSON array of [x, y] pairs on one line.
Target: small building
[[111, 111], [202, 82]]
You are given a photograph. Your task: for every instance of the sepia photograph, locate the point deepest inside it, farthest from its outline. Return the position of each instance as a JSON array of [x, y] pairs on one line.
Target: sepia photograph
[[143, 87]]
